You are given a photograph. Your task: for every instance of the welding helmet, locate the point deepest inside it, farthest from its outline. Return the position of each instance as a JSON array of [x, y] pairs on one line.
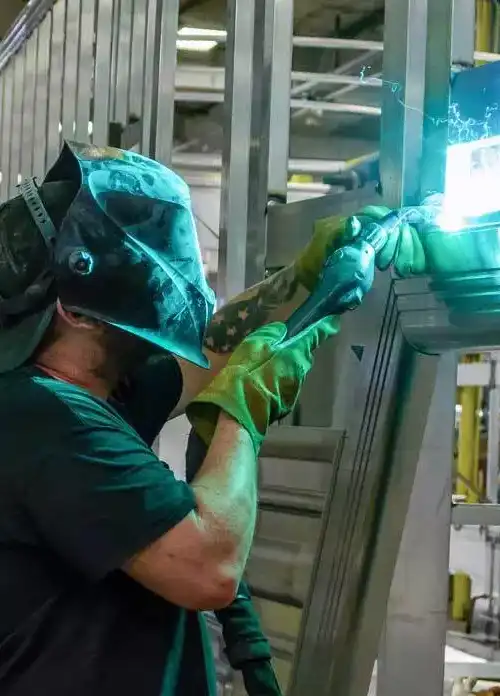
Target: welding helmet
[[126, 253]]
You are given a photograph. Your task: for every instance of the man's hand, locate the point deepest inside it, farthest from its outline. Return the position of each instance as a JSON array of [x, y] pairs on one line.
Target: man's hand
[[262, 380], [404, 249]]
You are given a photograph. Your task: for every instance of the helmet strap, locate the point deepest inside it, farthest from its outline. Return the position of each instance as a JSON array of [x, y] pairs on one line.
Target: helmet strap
[[29, 191]]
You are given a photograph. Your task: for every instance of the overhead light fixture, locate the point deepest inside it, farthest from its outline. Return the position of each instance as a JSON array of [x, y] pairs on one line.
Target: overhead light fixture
[[194, 45], [203, 33], [201, 40]]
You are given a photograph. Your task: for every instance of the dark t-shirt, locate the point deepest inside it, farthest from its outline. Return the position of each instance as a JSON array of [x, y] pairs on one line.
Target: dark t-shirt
[[80, 493]]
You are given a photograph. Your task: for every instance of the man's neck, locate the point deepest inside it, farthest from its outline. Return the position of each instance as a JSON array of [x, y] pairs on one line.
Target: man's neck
[[69, 372]]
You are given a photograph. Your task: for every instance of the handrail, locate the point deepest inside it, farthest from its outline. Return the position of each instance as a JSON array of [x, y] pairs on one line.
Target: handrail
[[26, 22]]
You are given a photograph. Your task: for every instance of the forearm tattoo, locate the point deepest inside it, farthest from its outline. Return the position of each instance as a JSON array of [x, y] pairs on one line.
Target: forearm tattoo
[[250, 310]]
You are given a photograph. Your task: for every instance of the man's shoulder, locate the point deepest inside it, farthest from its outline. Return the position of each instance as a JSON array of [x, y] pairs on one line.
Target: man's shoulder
[[30, 395]]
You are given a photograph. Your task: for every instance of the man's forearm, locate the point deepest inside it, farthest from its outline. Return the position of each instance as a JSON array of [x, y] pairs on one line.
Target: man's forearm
[[274, 299], [226, 491]]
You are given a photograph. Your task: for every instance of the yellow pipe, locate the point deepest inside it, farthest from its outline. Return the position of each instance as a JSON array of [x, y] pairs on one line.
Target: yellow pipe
[[469, 440], [484, 24]]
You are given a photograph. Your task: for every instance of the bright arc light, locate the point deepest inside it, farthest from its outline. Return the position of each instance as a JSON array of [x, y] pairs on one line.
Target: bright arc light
[[193, 45], [472, 184]]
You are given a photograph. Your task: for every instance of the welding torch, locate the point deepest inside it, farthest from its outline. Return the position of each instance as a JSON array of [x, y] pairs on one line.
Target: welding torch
[[348, 272]]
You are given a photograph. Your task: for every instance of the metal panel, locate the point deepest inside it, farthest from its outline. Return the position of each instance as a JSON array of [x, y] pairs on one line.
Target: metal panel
[[56, 82], [70, 85], [85, 70], [41, 97], [17, 119], [29, 106], [7, 102], [120, 113], [102, 80]]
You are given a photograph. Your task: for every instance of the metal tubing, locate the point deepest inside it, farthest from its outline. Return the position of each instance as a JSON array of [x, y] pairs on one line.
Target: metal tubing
[[203, 77], [208, 162], [41, 97], [26, 23], [8, 93], [139, 28], [236, 149], [55, 96], [70, 83], [336, 79], [147, 139], [126, 9], [102, 78], [260, 122], [29, 106], [341, 70], [17, 119], [85, 70], [165, 52], [302, 104]]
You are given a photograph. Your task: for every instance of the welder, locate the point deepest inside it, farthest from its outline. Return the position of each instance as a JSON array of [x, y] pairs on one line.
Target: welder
[[106, 560]]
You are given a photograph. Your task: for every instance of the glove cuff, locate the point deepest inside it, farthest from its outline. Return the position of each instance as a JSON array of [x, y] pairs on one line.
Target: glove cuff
[[203, 414]]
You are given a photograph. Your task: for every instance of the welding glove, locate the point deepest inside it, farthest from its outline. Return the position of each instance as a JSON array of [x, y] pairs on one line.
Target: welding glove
[[261, 381], [403, 250]]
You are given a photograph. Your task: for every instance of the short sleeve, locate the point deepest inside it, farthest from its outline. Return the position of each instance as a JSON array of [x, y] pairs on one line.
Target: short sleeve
[[98, 495], [151, 395]]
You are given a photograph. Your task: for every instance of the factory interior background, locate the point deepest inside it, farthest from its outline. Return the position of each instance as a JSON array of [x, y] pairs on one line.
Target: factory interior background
[[96, 70]]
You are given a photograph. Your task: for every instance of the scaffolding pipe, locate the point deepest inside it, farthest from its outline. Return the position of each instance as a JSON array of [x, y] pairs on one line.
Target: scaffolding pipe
[[213, 162], [308, 104], [211, 78]]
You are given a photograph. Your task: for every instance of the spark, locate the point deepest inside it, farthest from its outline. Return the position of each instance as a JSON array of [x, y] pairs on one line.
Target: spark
[[460, 129]]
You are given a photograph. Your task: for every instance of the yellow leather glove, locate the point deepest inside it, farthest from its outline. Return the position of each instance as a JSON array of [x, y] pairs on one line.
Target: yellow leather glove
[[404, 249], [261, 381]]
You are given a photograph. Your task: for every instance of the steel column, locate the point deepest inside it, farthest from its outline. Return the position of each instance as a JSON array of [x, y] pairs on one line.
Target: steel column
[[279, 131], [102, 74], [29, 106], [124, 39], [17, 120], [165, 57], [56, 76], [8, 94], [245, 157], [414, 637], [70, 83], [85, 70]]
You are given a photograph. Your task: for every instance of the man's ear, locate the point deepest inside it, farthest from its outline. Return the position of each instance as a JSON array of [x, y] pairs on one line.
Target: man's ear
[[76, 321]]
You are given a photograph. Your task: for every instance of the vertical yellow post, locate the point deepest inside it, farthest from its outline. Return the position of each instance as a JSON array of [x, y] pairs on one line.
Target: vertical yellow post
[[468, 440], [484, 24]]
